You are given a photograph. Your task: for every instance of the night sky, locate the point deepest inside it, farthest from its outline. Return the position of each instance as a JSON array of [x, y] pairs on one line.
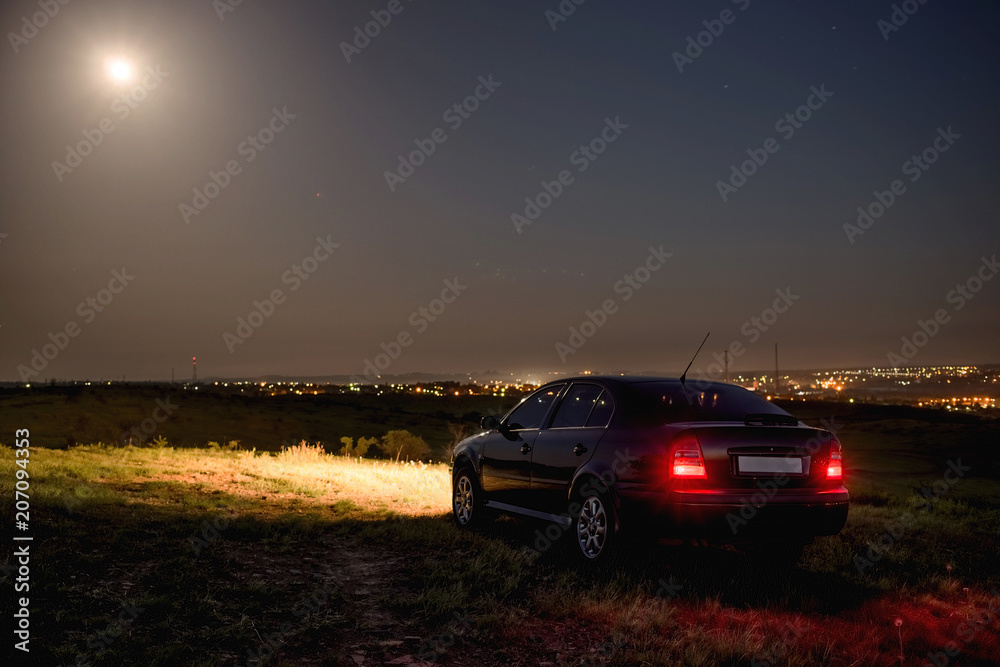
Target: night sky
[[642, 126]]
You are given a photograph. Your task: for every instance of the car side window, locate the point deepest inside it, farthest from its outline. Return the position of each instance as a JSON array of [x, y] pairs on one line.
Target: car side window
[[601, 414], [577, 406], [531, 413]]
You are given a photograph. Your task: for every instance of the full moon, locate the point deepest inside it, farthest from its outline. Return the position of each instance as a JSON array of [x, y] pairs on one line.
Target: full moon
[[120, 70]]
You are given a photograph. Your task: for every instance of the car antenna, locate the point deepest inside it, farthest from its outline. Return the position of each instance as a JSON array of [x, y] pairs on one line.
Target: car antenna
[[684, 374]]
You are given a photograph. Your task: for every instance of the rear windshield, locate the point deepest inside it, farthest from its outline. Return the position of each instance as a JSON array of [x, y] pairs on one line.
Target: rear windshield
[[665, 402]]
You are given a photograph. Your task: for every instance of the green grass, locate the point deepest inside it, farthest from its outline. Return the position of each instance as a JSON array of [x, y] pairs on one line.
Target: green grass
[[314, 559], [62, 416]]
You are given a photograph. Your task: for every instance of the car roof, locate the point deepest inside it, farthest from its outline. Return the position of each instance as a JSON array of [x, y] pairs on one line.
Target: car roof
[[626, 382], [620, 379]]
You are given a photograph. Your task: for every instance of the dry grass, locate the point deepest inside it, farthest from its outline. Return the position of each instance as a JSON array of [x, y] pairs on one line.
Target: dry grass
[[138, 532], [305, 474]]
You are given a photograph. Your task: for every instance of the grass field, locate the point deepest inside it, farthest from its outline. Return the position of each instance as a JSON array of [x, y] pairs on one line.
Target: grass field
[[164, 556], [66, 415]]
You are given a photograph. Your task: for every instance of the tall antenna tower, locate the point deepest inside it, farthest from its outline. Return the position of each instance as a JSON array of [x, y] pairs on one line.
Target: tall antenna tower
[[777, 381], [194, 370], [725, 357]]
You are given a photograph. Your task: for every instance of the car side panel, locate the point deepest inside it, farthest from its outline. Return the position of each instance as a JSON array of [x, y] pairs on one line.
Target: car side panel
[[506, 465], [557, 455]]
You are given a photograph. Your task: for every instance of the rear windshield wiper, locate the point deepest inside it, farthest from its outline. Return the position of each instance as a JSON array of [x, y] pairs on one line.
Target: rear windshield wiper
[[766, 419]]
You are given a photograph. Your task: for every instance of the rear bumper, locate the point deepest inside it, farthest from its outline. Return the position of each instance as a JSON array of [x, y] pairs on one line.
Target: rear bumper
[[726, 517]]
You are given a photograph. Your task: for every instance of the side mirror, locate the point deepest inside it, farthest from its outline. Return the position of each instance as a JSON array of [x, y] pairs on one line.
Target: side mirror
[[490, 423]]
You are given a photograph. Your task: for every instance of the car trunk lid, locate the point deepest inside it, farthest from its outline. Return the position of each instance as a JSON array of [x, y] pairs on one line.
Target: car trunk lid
[[738, 456]]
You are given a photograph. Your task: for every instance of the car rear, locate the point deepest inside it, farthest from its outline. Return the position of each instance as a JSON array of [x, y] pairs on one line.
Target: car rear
[[721, 464]]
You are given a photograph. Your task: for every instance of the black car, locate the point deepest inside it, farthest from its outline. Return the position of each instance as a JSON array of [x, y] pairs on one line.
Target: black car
[[678, 461]]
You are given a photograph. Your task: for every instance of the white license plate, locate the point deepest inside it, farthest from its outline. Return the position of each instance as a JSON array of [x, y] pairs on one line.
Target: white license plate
[[769, 464]]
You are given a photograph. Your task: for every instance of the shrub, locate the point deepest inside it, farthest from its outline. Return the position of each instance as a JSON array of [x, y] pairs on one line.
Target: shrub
[[359, 450], [405, 445]]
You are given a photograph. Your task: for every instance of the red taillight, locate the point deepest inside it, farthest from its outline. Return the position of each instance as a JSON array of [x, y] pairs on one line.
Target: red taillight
[[686, 461], [835, 468]]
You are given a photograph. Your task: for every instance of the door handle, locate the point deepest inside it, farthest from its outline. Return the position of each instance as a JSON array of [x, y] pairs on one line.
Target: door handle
[[525, 449], [579, 450]]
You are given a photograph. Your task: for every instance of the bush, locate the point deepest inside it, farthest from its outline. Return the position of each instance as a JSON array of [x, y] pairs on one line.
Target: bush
[[405, 445], [365, 445], [359, 450]]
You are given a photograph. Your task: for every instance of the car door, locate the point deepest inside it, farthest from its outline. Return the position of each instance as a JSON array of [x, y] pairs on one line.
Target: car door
[[577, 426], [506, 462]]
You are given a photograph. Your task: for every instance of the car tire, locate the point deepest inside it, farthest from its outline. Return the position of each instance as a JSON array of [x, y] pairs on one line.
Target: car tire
[[467, 500], [595, 527]]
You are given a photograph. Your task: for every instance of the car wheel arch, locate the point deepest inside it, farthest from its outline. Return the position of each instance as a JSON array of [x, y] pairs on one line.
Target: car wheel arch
[[589, 476], [585, 481], [464, 460]]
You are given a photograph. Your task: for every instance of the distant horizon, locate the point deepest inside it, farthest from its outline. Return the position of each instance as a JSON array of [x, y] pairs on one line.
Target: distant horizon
[[432, 376]]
